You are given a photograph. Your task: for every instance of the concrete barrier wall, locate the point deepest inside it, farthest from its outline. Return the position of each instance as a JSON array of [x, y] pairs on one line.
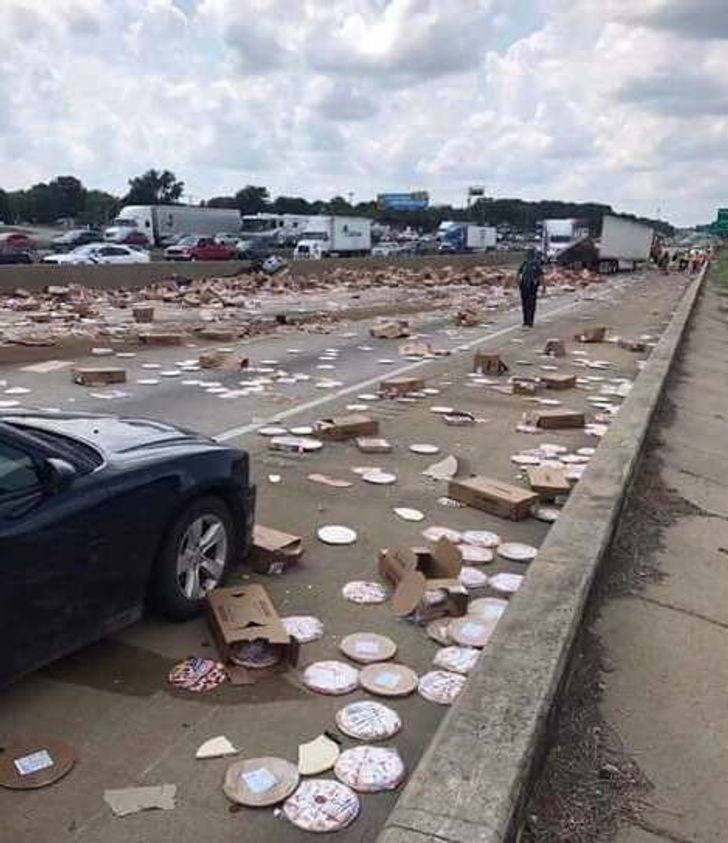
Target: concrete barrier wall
[[38, 276]]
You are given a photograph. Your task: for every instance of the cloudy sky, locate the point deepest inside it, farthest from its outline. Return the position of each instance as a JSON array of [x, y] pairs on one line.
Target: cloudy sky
[[623, 101]]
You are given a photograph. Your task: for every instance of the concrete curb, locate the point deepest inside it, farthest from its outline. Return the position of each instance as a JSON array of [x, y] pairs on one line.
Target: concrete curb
[[470, 783]]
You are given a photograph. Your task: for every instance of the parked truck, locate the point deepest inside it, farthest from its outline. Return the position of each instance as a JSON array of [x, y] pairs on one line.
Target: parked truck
[[466, 237], [327, 236], [276, 229], [559, 235], [623, 244], [159, 223]]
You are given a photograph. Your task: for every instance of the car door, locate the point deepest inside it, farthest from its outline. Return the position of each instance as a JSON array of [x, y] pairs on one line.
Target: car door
[[43, 556]]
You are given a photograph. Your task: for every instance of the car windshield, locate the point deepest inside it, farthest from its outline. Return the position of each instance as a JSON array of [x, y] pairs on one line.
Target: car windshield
[[125, 223], [79, 453], [84, 250], [560, 238], [314, 235], [187, 241]]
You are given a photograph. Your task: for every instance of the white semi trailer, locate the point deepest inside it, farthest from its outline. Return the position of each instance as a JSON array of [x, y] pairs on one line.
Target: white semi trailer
[[160, 222]]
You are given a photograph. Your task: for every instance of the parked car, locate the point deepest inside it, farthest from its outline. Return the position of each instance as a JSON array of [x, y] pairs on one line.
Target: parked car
[[100, 253], [16, 241], [135, 238], [76, 237], [228, 239], [100, 514], [172, 239], [200, 249], [14, 256], [386, 249]]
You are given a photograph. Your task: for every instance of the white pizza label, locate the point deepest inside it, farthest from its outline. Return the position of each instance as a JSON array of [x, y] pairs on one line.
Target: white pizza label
[[259, 780], [472, 630], [33, 763], [387, 679], [367, 648]]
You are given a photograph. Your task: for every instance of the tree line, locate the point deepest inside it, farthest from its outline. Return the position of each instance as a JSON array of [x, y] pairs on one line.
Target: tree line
[[65, 197]]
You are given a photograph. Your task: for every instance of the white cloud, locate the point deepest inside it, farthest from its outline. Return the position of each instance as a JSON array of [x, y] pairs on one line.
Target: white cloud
[[604, 100]]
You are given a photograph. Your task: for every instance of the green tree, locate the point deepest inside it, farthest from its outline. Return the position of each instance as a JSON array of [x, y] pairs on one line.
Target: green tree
[[252, 199], [100, 208], [154, 188], [338, 205], [5, 207], [68, 196]]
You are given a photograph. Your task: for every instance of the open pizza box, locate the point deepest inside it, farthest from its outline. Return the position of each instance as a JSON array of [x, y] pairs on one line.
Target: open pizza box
[[413, 572], [246, 613]]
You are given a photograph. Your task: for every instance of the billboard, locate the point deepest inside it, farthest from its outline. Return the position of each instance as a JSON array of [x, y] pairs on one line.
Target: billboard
[[417, 201], [476, 191]]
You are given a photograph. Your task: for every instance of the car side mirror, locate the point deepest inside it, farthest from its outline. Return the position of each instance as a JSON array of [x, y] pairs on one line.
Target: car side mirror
[[60, 475]]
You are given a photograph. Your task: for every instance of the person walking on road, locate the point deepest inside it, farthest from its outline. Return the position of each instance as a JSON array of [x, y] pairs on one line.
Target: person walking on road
[[530, 278]]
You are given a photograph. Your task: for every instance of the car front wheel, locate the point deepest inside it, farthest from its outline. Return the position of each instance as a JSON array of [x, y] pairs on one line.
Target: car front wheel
[[195, 558]]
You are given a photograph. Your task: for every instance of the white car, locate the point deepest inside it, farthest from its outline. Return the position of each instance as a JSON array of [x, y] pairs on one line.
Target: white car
[[385, 249], [100, 253]]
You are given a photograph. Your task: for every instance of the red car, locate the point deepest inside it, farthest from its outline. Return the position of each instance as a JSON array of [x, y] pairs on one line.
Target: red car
[[135, 238], [15, 241], [200, 249]]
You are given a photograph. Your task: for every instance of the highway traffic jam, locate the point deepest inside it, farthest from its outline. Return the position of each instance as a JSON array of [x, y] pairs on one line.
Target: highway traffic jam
[[250, 500]]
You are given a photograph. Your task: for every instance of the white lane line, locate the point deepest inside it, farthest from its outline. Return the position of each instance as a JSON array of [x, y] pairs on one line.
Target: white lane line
[[362, 385]]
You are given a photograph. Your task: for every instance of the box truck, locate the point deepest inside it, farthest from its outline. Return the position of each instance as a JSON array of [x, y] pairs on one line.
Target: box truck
[[161, 222], [623, 244], [466, 237], [330, 236]]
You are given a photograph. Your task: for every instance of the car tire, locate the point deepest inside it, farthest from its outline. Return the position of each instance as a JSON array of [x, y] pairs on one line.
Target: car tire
[[169, 580]]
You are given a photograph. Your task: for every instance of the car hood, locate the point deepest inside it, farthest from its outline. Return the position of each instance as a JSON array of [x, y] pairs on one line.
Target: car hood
[[115, 436]]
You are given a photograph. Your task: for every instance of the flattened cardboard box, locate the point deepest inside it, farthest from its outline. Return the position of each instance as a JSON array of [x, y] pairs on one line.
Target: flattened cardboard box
[[274, 551], [548, 482], [493, 496], [593, 334], [237, 615], [414, 571], [346, 427]]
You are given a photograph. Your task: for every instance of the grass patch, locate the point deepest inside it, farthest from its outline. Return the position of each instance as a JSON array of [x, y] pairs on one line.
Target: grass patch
[[719, 272]]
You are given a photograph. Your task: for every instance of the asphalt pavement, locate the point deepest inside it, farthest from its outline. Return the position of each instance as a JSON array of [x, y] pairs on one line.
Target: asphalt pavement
[[112, 701]]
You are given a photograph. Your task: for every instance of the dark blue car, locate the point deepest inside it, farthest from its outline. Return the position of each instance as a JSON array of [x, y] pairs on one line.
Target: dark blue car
[[100, 515]]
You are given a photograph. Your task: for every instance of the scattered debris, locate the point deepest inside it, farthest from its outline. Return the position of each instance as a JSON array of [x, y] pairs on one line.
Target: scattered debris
[[34, 764], [317, 756], [336, 534], [216, 748], [360, 591], [304, 628], [132, 800], [334, 482], [273, 551], [197, 675]]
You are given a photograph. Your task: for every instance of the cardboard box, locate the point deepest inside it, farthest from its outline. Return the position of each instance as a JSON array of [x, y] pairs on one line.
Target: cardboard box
[[346, 427], [558, 380], [414, 571], [594, 334], [98, 376], [161, 339], [638, 346], [373, 445], [493, 496], [485, 362], [558, 419], [391, 329], [237, 615], [548, 482], [525, 386], [273, 551], [555, 348], [393, 387], [143, 313], [227, 360]]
